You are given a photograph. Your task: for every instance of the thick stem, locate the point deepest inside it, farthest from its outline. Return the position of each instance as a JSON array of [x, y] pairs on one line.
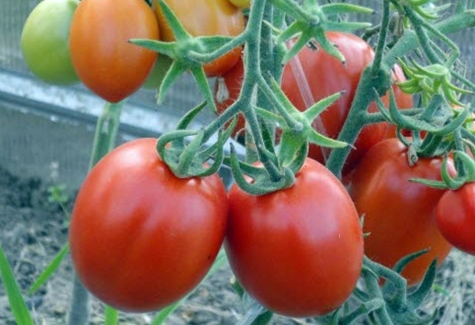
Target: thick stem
[[364, 96], [104, 141]]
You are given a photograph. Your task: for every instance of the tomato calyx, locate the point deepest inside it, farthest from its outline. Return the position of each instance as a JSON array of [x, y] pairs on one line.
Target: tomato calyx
[[190, 158], [429, 81], [188, 53], [311, 22]]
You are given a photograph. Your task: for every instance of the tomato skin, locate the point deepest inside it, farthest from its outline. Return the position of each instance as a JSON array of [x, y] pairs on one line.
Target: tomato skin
[[241, 3], [221, 17], [399, 215], [45, 42], [326, 75], [140, 237], [297, 251], [456, 217], [103, 58]]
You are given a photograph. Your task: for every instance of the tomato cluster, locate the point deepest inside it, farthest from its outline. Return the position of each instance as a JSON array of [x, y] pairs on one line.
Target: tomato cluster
[[88, 41], [141, 238]]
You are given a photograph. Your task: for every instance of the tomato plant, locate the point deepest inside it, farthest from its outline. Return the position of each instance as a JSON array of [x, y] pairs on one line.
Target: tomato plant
[[140, 237], [206, 18], [103, 58], [399, 214], [297, 251], [45, 41], [325, 76], [456, 217]]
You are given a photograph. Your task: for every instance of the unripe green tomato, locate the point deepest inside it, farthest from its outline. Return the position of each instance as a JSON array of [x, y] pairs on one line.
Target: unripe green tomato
[[241, 3], [45, 41]]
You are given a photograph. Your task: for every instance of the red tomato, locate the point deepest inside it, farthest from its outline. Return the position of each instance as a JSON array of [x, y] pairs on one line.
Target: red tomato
[[140, 237], [297, 251], [103, 58], [399, 215], [456, 217], [325, 76], [206, 18]]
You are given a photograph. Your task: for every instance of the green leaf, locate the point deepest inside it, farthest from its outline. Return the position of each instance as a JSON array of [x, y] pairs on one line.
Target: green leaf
[[111, 316], [49, 270], [17, 303]]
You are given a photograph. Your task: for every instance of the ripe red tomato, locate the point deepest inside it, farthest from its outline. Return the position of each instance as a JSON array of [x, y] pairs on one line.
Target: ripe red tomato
[[140, 237], [456, 217], [325, 76], [399, 215], [103, 58], [206, 18], [297, 251], [45, 41]]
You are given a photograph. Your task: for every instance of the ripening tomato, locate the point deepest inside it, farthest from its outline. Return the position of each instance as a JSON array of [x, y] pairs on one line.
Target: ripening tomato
[[140, 237], [101, 53], [456, 217], [241, 3], [45, 41], [399, 214], [325, 76], [206, 18], [297, 251]]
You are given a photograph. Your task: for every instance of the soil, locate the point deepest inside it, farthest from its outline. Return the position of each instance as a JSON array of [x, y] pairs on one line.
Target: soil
[[33, 230]]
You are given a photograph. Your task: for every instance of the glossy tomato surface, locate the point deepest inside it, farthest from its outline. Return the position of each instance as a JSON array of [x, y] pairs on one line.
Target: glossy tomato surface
[[140, 237], [102, 56], [45, 41], [206, 18], [399, 214], [297, 251], [314, 75], [456, 217]]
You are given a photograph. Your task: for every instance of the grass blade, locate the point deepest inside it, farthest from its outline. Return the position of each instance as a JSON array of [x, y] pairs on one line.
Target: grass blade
[[49, 270], [17, 303], [112, 316]]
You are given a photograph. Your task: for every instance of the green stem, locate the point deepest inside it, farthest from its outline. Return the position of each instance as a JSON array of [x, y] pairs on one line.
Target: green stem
[[383, 31], [104, 141], [364, 96]]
